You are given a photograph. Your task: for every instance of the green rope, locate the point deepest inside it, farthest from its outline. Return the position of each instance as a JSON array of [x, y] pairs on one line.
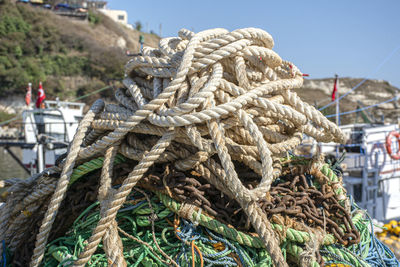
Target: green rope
[[137, 220], [213, 224], [296, 251], [243, 238], [327, 171], [90, 166], [346, 255]]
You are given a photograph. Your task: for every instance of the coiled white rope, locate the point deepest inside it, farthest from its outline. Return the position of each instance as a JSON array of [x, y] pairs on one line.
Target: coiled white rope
[[211, 93]]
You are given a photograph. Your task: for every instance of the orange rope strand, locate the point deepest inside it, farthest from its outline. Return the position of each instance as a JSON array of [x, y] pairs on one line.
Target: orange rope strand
[[193, 261], [200, 255]]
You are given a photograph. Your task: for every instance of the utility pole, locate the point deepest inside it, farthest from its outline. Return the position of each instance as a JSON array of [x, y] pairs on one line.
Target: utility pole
[[160, 30]]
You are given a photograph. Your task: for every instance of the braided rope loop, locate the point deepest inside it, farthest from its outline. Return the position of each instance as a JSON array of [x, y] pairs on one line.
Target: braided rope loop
[[206, 102]]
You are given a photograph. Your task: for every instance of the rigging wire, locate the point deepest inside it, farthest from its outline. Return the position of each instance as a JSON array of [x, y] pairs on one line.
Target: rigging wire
[[364, 108], [364, 80]]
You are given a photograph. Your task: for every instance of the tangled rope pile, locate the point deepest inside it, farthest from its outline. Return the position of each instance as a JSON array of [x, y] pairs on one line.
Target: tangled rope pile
[[183, 241], [290, 196], [205, 102], [187, 242]]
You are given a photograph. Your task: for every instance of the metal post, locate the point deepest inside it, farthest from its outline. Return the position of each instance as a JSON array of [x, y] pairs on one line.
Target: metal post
[[40, 157], [364, 191], [337, 109], [337, 101], [376, 182]]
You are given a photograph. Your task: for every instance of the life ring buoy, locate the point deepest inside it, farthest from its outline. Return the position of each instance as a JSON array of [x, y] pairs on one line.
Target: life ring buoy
[[373, 158], [389, 144]]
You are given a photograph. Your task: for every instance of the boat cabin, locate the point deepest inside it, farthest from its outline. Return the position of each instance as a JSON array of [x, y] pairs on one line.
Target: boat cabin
[[50, 129]]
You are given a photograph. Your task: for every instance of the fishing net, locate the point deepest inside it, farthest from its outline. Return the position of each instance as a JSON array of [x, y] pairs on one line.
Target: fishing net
[[193, 166]]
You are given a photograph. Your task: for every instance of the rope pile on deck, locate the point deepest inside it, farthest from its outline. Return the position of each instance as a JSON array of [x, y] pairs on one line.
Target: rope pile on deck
[[203, 128]]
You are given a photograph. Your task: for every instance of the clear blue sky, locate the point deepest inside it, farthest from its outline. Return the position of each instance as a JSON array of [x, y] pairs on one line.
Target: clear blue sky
[[350, 38]]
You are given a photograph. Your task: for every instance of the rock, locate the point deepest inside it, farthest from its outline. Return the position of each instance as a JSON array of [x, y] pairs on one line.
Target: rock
[[121, 42]]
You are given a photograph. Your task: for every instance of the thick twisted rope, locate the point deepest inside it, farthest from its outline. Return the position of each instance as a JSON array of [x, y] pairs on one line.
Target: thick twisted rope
[[62, 185], [120, 195], [112, 241], [218, 94]]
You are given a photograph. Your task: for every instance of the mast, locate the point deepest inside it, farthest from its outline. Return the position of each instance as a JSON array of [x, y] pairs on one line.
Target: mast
[[337, 101]]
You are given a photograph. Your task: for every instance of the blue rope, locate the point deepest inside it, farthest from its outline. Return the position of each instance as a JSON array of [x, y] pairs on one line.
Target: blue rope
[[188, 232], [386, 256], [379, 254], [227, 243]]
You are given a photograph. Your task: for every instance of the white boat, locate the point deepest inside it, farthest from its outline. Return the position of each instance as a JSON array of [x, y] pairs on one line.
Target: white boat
[[48, 131], [371, 175]]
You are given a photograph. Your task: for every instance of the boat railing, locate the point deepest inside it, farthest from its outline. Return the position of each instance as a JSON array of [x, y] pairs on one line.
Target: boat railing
[[54, 104], [35, 119]]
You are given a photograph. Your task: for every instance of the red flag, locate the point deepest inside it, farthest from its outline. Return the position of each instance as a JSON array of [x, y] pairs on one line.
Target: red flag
[[334, 92], [41, 96], [28, 96]]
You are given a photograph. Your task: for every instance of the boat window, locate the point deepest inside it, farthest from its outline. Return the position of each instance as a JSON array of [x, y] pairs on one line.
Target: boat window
[[354, 143], [78, 118]]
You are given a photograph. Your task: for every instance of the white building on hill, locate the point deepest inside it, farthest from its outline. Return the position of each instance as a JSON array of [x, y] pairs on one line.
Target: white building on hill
[[120, 16], [95, 4]]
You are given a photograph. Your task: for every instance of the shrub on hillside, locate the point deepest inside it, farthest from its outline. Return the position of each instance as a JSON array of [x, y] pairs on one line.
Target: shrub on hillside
[[94, 17], [54, 86], [36, 44], [138, 26]]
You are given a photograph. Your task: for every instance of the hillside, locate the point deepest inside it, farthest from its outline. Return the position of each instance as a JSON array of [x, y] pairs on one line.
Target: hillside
[[318, 92], [75, 57], [70, 56]]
